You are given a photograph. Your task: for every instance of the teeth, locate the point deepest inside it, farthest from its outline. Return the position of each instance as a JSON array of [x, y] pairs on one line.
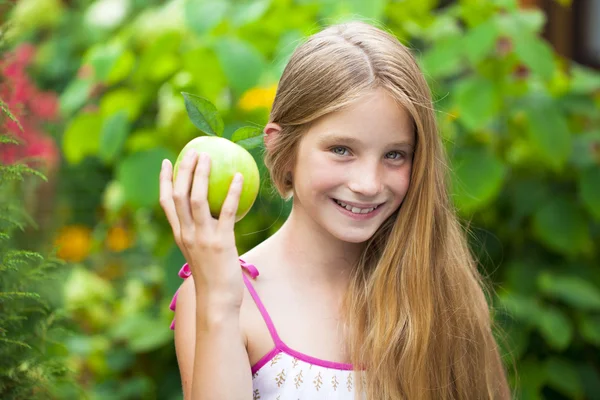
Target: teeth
[[355, 210]]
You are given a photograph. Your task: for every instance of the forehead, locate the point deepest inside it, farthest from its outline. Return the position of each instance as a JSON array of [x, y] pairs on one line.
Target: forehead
[[375, 116]]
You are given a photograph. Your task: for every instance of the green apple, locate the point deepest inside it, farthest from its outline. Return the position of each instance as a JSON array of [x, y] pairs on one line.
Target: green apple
[[226, 158]]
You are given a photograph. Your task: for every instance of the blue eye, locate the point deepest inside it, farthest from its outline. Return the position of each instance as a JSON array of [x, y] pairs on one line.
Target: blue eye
[[394, 155], [339, 150]]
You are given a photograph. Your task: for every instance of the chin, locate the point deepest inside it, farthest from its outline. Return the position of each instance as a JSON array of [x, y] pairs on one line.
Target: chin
[[357, 237]]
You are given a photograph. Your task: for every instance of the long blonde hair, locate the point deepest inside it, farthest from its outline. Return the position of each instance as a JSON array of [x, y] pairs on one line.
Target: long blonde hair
[[419, 322]]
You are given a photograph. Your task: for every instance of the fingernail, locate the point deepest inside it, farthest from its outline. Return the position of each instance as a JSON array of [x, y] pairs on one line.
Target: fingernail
[[203, 157], [164, 163], [190, 154], [237, 178]]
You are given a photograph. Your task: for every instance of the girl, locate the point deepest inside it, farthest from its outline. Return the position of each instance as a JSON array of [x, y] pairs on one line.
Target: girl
[[368, 290]]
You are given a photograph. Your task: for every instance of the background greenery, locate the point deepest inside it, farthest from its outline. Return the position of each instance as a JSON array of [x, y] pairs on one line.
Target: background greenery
[[97, 87]]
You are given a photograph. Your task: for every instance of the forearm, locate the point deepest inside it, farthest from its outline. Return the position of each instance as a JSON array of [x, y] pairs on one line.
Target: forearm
[[221, 365]]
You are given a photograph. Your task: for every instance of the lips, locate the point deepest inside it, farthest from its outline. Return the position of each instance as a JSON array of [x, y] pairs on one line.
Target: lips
[[357, 209]]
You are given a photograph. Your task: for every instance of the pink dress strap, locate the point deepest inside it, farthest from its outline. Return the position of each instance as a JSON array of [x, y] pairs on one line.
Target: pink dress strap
[[250, 268], [261, 307], [185, 273]]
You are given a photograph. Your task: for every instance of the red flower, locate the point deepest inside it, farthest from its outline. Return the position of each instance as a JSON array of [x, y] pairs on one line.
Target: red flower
[[23, 90], [30, 106], [9, 155], [25, 53], [44, 105], [45, 149]]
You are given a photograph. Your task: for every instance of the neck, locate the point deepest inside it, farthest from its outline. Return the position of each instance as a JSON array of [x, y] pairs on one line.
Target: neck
[[312, 253]]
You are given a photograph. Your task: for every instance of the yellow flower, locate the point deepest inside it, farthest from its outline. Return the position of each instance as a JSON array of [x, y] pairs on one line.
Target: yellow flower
[[74, 243], [119, 239], [258, 98]]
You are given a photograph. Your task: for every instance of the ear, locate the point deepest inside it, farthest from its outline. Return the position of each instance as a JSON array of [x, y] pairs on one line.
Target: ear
[[271, 131]]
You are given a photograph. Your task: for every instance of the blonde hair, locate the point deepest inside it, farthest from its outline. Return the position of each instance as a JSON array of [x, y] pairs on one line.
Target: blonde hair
[[419, 322]]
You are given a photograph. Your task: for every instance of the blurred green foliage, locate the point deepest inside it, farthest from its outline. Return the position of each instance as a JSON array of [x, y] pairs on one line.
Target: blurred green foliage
[[33, 361], [520, 123]]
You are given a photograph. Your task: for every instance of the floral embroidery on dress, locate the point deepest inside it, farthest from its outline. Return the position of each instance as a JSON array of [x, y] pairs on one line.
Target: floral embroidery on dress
[[283, 381], [280, 378], [298, 379], [334, 382], [275, 359], [256, 395], [318, 381]]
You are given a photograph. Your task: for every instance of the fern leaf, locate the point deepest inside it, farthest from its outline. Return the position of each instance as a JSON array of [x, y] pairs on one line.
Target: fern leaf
[[15, 342], [4, 108], [7, 139]]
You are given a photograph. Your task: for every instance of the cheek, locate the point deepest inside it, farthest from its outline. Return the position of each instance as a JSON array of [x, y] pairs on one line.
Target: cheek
[[399, 182], [320, 172]]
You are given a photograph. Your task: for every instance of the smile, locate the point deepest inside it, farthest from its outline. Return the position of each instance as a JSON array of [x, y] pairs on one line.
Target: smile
[[366, 211]]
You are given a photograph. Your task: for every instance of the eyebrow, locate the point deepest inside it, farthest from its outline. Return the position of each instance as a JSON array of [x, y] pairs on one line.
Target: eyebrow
[[354, 141]]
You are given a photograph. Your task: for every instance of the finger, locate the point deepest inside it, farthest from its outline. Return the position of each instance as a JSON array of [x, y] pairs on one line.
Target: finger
[[199, 196], [166, 196], [230, 205], [181, 189]]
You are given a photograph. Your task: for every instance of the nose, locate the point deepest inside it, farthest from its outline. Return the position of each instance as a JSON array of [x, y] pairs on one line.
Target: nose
[[366, 180]]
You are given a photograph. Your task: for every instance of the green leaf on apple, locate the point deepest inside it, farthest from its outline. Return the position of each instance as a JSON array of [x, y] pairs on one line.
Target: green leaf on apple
[[203, 114], [248, 137]]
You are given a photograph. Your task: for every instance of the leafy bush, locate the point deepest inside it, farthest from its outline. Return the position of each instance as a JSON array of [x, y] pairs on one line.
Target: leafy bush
[[32, 357], [33, 363]]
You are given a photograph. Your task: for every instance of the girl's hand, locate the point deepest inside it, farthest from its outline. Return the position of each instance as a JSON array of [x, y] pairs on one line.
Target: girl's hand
[[208, 244]]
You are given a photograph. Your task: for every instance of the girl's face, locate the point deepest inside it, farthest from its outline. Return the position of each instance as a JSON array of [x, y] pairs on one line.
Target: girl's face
[[353, 167]]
